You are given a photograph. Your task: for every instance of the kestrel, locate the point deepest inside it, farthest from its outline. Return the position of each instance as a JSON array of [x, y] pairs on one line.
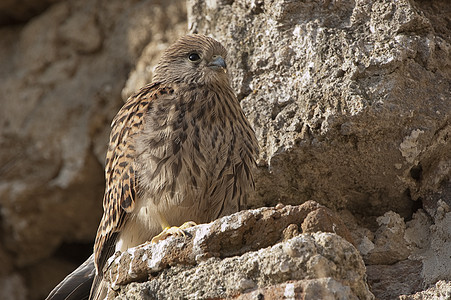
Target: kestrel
[[181, 150]]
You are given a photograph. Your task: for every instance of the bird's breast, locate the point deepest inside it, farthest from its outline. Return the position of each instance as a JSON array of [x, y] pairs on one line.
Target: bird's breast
[[188, 156]]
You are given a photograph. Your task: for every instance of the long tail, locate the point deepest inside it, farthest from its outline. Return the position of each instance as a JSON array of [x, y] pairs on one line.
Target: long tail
[[99, 289], [76, 285]]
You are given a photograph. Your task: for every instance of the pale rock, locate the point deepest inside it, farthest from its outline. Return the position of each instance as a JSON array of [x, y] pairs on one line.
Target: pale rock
[[315, 263], [389, 243], [349, 100], [441, 290], [437, 257]]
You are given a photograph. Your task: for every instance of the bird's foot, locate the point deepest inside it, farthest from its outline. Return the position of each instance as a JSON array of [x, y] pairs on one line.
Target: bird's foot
[[174, 230]]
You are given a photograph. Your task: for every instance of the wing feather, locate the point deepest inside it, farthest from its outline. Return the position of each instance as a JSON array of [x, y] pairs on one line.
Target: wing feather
[[120, 174]]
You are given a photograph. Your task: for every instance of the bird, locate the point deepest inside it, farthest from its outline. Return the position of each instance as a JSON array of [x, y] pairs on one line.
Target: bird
[[181, 152]]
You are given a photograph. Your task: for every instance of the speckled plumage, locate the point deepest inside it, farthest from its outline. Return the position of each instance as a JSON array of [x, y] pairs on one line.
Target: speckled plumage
[[180, 150]]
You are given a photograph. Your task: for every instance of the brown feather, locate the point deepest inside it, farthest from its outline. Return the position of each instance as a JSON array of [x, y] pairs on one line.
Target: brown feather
[[180, 150], [120, 173]]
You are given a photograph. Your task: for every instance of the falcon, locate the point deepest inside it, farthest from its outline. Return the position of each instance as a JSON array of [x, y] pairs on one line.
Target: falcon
[[181, 152]]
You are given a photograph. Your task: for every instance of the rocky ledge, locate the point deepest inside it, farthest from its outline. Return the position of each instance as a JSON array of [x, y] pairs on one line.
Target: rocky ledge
[[265, 253]]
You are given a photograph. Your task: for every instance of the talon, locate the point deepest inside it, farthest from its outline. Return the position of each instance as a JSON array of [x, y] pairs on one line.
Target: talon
[[174, 230], [187, 225]]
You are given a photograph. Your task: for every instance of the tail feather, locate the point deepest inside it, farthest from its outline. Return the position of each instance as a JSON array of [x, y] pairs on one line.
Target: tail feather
[[76, 285], [99, 289]]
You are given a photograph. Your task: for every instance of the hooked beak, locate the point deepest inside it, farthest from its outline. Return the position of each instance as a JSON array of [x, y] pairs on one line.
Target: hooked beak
[[218, 63]]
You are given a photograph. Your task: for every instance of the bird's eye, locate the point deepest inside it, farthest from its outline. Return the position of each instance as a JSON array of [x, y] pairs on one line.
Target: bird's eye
[[193, 57]]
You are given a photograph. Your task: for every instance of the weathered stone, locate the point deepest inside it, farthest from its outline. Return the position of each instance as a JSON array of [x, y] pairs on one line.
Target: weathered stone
[[349, 100], [13, 287], [12, 12], [81, 32], [389, 281], [308, 289], [229, 236], [436, 256], [389, 244], [325, 220], [417, 234], [41, 277], [362, 236], [441, 290], [61, 78], [222, 259]]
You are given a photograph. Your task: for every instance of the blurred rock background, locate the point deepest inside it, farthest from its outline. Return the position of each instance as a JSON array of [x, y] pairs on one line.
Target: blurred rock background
[[350, 100]]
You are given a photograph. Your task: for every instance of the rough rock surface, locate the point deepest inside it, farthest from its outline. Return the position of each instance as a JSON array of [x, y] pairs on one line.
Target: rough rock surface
[[436, 256], [349, 99], [13, 12], [351, 104], [387, 281], [389, 245], [240, 255], [61, 79], [441, 290]]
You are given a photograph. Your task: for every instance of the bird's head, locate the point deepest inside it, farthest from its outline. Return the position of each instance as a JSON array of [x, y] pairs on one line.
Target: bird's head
[[194, 59]]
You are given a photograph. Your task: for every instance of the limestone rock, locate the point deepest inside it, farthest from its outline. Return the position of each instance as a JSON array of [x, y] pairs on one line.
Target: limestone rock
[[13, 287], [389, 244], [239, 256], [324, 219], [441, 290], [389, 281], [323, 288], [437, 256], [350, 102], [404, 258], [61, 77], [349, 99], [417, 234], [12, 12], [228, 236]]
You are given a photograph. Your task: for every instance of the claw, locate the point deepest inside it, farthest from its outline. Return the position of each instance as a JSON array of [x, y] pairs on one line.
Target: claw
[[188, 224], [174, 230]]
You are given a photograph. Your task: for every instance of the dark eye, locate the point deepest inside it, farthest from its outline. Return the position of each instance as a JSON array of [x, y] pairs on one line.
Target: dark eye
[[193, 57]]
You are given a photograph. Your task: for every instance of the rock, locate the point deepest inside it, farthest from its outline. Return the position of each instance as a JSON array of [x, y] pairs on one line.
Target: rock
[[319, 218], [11, 12], [362, 236], [6, 263], [389, 245], [228, 236], [423, 240], [13, 287], [417, 234], [61, 77], [349, 100], [389, 281], [437, 255], [441, 290], [325, 220], [81, 31], [49, 271], [238, 256], [323, 288], [170, 23]]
